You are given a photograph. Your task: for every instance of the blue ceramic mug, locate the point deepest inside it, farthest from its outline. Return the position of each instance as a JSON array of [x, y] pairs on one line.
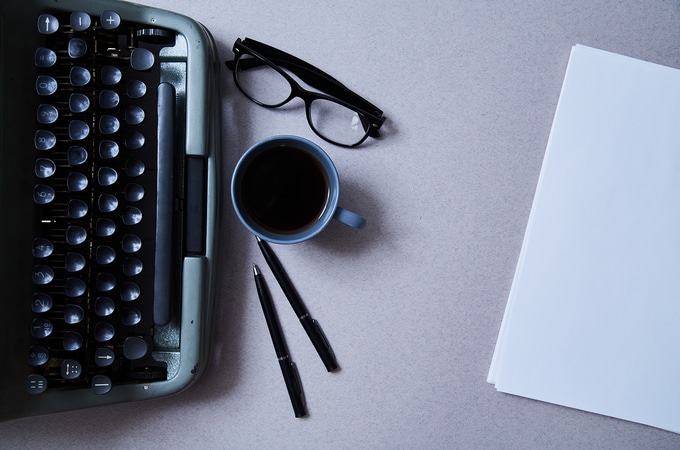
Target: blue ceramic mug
[[285, 190]]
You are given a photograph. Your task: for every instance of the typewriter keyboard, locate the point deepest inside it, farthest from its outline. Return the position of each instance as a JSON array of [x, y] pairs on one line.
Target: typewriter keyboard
[[103, 149]]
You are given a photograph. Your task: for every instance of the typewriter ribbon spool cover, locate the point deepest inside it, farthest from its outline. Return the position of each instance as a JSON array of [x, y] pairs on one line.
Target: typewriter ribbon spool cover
[[109, 147]]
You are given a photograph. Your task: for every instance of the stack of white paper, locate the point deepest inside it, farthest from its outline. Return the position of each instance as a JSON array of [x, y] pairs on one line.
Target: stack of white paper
[[593, 316]]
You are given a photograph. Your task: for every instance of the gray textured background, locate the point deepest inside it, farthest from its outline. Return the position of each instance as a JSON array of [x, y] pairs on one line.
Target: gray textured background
[[413, 303]]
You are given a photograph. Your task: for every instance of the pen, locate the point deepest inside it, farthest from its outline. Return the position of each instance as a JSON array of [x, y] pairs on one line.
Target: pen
[[311, 326], [288, 369]]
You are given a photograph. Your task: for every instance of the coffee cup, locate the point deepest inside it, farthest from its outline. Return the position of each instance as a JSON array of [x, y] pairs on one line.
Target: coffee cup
[[285, 190]]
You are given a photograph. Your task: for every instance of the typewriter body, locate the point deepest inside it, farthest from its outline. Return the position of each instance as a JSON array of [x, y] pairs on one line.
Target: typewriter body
[[109, 139]]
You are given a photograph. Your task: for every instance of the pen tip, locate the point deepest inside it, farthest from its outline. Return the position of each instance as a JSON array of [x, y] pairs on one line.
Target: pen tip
[[258, 238], [256, 270]]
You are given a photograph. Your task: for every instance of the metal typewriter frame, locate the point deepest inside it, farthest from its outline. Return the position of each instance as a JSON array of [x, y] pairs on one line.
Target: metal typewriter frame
[[203, 139]]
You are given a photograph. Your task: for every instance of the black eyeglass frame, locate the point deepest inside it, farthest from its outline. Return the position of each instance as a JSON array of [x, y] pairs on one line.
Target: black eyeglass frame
[[334, 91]]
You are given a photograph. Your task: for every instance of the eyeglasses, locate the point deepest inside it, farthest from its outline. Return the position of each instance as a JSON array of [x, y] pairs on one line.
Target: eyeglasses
[[335, 113]]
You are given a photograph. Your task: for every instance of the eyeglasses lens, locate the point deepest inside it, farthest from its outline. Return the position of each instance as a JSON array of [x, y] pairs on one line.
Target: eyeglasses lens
[[337, 122], [260, 82]]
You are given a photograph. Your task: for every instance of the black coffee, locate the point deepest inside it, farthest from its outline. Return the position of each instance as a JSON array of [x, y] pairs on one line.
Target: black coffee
[[285, 190]]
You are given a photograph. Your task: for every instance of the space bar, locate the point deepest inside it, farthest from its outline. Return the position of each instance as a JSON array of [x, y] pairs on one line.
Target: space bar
[[163, 260]]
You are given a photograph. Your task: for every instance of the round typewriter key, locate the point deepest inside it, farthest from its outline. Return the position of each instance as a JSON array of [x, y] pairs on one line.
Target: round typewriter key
[[134, 140], [45, 85], [104, 306], [42, 275], [44, 168], [77, 48], [103, 357], [47, 114], [134, 192], [80, 21], [105, 255], [101, 384], [44, 140], [44, 57], [135, 88], [76, 182], [41, 328], [47, 24], [35, 384], [38, 355], [132, 267], [134, 347], [73, 314], [75, 235], [43, 194], [131, 243], [76, 208], [78, 130], [41, 303], [130, 317], [108, 124], [76, 155], [74, 262], [42, 248], [109, 20], [108, 149], [107, 176], [129, 292], [105, 227], [107, 203], [111, 75], [103, 332], [70, 369], [105, 282], [78, 103], [108, 99], [72, 341], [134, 168], [79, 76], [132, 215], [141, 59], [134, 115], [74, 287]]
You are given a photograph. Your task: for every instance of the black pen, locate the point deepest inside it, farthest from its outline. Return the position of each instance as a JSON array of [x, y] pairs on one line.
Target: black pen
[[288, 369], [311, 326]]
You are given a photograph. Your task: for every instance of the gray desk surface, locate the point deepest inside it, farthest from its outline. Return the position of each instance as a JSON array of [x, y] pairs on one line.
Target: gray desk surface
[[413, 303]]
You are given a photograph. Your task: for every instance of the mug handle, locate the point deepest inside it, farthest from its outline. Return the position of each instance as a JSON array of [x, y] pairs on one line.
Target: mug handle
[[349, 218]]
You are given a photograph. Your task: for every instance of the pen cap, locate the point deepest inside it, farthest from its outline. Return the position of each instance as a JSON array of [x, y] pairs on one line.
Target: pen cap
[[294, 386]]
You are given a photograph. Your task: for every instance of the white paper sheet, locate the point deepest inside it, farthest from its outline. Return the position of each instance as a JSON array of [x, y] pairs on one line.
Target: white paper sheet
[[593, 316]]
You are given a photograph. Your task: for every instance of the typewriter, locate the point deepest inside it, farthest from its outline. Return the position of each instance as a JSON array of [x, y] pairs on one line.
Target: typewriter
[[109, 146]]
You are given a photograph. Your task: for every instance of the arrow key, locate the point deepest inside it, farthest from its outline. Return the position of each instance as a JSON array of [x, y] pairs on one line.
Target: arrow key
[[71, 369], [47, 24], [104, 357]]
